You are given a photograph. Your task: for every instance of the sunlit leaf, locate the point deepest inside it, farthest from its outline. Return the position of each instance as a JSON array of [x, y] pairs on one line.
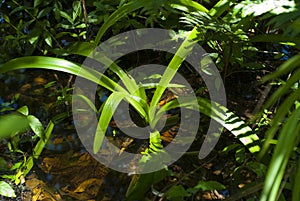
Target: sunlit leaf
[[24, 110], [36, 125], [231, 122], [76, 9], [288, 139], [6, 190], [48, 40], [109, 108], [171, 70], [13, 124], [66, 16], [219, 8]]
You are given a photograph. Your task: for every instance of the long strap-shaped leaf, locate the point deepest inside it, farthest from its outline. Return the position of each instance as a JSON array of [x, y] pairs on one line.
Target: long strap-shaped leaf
[[184, 49], [109, 109], [281, 113], [288, 139], [51, 63]]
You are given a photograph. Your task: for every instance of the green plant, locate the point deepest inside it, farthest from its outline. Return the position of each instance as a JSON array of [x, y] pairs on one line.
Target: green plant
[[286, 124], [132, 92], [14, 127]]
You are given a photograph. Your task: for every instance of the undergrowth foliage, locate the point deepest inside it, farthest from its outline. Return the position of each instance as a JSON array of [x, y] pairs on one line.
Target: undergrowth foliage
[[56, 35]]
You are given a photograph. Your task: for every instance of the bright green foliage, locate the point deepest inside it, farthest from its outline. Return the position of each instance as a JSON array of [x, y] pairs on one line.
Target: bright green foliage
[[12, 124], [6, 190], [229, 30], [286, 123]]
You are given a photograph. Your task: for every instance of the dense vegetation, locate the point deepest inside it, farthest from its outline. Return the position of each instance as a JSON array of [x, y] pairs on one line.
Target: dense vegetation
[[254, 45]]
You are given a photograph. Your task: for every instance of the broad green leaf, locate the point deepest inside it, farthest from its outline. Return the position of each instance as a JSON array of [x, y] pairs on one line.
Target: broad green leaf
[[23, 110], [17, 9], [176, 193], [37, 3], [288, 139], [81, 48], [128, 81], [6, 190], [36, 125], [48, 40], [42, 62], [185, 102], [258, 168], [13, 124], [76, 9], [39, 147], [118, 14], [6, 18], [138, 186], [139, 104], [66, 16], [209, 185], [107, 112]]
